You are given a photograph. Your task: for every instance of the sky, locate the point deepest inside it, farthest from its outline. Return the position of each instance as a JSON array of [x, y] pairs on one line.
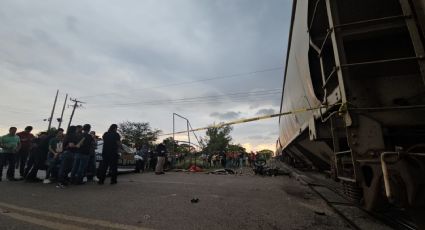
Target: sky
[[210, 61]]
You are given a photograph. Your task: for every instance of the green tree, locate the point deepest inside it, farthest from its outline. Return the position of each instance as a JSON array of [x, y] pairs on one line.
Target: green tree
[[266, 153], [217, 139], [236, 148], [137, 133]]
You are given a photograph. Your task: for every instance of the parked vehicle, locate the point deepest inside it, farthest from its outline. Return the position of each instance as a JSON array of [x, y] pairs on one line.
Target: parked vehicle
[[127, 154]]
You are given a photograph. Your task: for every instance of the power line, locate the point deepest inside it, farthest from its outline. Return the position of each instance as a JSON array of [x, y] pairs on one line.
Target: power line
[[203, 99], [191, 82]]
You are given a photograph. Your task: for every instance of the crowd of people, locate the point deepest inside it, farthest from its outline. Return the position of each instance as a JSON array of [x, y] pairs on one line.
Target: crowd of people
[[230, 159], [67, 158], [70, 158]]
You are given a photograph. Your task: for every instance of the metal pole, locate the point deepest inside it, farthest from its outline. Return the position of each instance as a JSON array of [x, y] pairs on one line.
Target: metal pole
[[174, 125], [53, 111], [73, 110], [72, 114], [188, 138], [63, 109]]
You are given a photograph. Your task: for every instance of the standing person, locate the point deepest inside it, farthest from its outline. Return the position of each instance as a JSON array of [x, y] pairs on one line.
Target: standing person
[[161, 152], [81, 158], [241, 159], [154, 159], [11, 145], [223, 158], [91, 168], [70, 145], [142, 154], [38, 156], [111, 144], [26, 138], [55, 150]]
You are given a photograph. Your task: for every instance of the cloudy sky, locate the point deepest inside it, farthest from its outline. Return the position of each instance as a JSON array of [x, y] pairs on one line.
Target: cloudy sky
[[141, 60]]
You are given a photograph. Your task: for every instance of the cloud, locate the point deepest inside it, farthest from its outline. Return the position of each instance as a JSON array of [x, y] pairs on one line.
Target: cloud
[[125, 52], [226, 116], [266, 111]]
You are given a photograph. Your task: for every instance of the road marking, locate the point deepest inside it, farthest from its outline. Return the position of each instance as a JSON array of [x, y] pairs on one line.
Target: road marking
[[40, 222], [89, 221]]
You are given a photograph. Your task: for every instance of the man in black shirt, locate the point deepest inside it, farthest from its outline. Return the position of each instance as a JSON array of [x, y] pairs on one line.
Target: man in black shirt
[[111, 144], [81, 158]]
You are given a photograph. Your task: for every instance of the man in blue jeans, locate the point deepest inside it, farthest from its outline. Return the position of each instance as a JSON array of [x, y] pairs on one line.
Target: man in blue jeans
[[81, 158]]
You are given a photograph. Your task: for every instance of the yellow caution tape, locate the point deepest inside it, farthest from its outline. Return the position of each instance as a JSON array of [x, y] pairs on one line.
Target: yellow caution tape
[[246, 120]]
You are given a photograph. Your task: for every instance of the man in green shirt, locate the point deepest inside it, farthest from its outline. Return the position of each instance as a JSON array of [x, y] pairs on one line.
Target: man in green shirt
[[10, 145]]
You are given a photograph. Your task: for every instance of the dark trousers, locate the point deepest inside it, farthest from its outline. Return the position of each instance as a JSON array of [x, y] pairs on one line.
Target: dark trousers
[[33, 165], [91, 167], [52, 170], [67, 160], [140, 165], [21, 160], [153, 163], [10, 159], [108, 161]]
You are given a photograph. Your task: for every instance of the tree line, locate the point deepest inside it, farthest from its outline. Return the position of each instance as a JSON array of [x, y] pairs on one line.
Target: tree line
[[216, 139]]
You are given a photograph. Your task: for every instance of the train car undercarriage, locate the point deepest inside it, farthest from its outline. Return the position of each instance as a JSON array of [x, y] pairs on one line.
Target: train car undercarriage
[[367, 67]]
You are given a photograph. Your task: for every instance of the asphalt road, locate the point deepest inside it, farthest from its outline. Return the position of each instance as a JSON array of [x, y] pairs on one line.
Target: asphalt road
[[148, 201]]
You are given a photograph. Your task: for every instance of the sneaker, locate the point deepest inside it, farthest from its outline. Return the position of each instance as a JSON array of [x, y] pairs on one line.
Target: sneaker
[[62, 186], [113, 182], [47, 181], [100, 182], [12, 179]]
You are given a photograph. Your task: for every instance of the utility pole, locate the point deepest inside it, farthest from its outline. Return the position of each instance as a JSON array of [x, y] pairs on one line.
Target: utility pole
[[77, 103], [53, 111], [63, 109]]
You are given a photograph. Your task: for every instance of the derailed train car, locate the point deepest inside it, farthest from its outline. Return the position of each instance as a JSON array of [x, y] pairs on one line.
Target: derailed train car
[[361, 64]]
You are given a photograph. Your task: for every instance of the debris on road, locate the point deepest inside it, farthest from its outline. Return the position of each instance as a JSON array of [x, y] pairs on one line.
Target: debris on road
[[320, 213], [222, 172]]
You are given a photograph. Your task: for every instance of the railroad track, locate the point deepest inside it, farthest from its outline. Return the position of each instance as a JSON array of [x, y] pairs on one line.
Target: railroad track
[[351, 212]]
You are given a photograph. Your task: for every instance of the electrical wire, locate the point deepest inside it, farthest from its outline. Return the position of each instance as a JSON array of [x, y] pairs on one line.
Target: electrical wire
[[204, 99], [246, 74]]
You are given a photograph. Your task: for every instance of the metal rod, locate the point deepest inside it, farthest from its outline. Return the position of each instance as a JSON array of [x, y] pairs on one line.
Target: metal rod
[[329, 77], [330, 30], [381, 61], [343, 152], [53, 111], [314, 15], [371, 20], [390, 107], [385, 173], [63, 109], [196, 137]]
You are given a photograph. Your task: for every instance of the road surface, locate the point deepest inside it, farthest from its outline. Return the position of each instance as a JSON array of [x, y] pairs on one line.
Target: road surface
[[148, 201]]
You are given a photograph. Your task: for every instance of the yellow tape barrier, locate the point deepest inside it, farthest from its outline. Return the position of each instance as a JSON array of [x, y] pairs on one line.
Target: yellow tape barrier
[[253, 119]]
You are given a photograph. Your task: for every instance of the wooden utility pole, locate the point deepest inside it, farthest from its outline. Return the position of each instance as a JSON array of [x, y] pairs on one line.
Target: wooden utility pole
[[63, 109], [77, 103], [53, 111]]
